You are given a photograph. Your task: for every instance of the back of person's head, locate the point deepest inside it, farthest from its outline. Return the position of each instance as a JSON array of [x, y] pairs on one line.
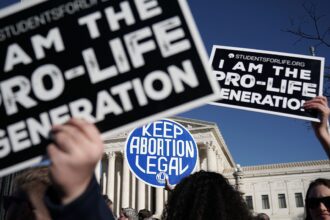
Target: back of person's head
[[26, 201], [262, 216], [205, 195], [145, 214], [32, 178], [130, 213], [311, 188]]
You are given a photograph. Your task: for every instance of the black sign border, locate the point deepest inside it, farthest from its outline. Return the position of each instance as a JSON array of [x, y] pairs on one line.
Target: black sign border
[[320, 92]]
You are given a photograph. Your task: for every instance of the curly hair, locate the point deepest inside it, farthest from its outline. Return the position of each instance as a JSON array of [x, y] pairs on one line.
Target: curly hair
[[32, 178], [317, 182], [205, 195]]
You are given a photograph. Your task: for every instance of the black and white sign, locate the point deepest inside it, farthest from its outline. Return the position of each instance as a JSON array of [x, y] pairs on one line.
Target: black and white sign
[[266, 81], [119, 64]]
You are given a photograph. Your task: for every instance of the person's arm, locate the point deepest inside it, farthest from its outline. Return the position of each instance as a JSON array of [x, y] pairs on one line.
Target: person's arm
[[74, 154], [87, 206], [168, 187], [321, 129]]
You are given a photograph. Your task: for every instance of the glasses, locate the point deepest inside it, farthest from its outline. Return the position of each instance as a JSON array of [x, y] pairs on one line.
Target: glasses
[[313, 203]]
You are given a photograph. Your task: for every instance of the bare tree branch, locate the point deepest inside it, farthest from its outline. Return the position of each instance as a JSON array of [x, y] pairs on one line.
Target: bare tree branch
[[310, 27], [320, 36]]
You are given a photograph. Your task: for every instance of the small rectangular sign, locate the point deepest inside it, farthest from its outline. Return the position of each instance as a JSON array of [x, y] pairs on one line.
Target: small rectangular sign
[[119, 64], [266, 81]]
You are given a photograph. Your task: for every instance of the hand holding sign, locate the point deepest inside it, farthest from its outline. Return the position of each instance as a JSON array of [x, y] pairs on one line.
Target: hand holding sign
[[135, 60], [76, 149], [320, 103], [267, 81]]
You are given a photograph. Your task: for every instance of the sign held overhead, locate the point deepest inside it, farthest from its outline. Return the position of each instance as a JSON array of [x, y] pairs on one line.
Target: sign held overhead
[[266, 81], [118, 64]]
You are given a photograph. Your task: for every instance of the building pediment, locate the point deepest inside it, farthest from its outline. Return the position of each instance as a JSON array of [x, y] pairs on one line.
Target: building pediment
[[190, 124], [206, 134]]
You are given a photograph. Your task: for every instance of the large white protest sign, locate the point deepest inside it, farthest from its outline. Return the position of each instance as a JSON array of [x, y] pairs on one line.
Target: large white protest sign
[[161, 150], [118, 64], [265, 81]]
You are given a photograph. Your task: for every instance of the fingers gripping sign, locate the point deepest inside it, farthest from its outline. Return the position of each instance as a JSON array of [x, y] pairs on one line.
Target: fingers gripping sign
[[74, 154], [319, 103], [321, 129]]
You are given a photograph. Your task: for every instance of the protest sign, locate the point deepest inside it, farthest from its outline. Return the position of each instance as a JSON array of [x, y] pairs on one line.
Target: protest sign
[[160, 150], [265, 81], [119, 64]]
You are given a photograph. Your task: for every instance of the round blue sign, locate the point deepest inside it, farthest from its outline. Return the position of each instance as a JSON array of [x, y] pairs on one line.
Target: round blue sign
[[160, 150]]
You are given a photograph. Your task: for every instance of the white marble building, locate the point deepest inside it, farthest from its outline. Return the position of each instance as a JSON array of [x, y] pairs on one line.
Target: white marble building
[[125, 190], [277, 189]]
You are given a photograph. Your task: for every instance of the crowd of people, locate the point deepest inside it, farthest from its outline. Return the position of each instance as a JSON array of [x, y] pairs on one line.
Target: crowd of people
[[70, 191]]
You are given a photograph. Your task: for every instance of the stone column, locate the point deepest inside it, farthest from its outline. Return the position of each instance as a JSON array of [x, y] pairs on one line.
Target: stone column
[[111, 175], [198, 163], [165, 196], [203, 158], [149, 205], [104, 183], [289, 204], [118, 179], [133, 191], [211, 158], [98, 171], [220, 167], [125, 182], [271, 197], [159, 202], [141, 203]]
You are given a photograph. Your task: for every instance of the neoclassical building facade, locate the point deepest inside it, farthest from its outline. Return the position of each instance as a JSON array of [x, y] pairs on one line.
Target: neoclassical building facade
[[277, 189], [125, 190]]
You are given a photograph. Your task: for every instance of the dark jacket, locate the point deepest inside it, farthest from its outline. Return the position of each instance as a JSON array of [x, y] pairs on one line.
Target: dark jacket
[[89, 206]]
